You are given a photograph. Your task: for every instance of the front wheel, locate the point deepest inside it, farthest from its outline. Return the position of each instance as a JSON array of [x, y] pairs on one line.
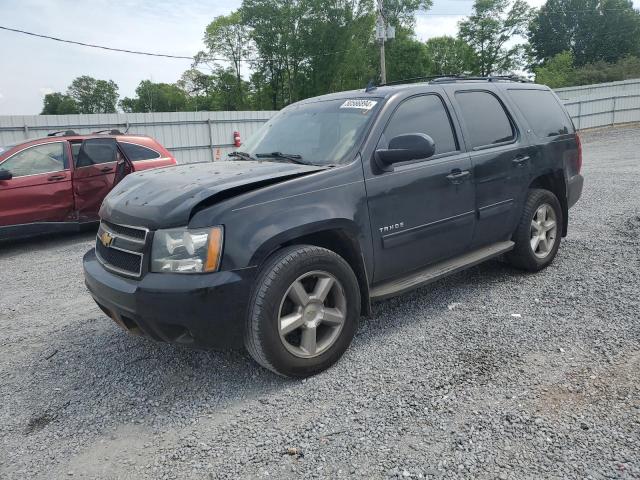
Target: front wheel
[[304, 311], [539, 232]]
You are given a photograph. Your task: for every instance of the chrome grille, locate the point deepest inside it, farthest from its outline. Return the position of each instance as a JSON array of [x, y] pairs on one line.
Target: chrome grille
[[130, 232], [121, 248]]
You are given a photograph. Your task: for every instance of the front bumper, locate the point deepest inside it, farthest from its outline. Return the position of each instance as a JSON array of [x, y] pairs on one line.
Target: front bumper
[[203, 311]]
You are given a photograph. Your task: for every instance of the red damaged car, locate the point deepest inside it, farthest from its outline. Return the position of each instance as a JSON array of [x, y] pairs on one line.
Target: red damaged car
[[57, 183]]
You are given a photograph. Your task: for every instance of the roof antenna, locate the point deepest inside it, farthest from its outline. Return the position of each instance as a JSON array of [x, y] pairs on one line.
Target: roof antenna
[[371, 86]]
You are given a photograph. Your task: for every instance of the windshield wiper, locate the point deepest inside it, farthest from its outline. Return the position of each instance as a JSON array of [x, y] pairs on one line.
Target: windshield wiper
[[243, 155], [292, 157]]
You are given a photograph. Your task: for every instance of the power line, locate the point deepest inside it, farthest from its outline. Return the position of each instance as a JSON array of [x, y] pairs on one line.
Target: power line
[[136, 52], [96, 46], [181, 57]]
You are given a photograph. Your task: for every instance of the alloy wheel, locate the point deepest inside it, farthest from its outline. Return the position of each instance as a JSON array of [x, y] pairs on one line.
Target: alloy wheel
[[312, 314], [544, 229]]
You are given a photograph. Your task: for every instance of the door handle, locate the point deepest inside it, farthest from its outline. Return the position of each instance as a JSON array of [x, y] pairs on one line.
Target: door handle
[[106, 169], [458, 176], [55, 178], [521, 160]]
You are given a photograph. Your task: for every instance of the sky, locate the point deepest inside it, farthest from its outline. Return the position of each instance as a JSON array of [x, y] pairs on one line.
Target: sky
[[32, 67]]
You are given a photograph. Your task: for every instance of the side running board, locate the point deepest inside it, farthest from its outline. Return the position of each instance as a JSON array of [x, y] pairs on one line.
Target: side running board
[[439, 270]]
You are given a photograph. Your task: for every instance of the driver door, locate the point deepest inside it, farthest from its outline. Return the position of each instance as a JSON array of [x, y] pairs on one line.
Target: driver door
[[40, 189], [421, 211], [95, 174]]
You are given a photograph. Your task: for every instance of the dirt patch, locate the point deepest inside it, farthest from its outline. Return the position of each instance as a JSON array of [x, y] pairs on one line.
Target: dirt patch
[[38, 422], [618, 383], [627, 228], [478, 366]]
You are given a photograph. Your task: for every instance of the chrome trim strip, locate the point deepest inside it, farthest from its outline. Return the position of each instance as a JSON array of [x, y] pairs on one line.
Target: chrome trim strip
[[106, 228], [125, 273], [115, 235], [95, 165]]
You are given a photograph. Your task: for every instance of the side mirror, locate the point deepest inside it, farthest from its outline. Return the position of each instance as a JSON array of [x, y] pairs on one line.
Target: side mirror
[[5, 175], [404, 148]]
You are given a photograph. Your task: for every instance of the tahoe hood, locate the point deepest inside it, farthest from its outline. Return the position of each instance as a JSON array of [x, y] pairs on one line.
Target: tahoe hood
[[165, 197]]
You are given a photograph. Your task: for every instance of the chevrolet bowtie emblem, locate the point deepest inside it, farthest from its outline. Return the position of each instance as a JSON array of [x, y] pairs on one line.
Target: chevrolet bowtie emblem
[[106, 239]]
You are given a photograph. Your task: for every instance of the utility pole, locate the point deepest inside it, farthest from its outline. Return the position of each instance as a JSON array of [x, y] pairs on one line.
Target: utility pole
[[384, 32], [381, 32]]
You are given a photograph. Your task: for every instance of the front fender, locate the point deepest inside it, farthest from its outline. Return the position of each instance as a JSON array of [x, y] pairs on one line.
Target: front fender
[[342, 227], [258, 222]]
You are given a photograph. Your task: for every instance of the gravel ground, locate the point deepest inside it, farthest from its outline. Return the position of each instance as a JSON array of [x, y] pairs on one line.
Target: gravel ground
[[491, 373]]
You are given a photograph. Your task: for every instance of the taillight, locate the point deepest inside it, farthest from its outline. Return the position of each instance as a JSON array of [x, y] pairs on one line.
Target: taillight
[[236, 139], [579, 161]]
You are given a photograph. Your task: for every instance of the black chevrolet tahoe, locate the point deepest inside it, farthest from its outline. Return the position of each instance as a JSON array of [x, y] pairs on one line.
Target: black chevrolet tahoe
[[336, 202]]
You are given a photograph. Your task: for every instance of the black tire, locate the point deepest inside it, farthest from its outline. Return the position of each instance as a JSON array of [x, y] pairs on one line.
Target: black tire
[[523, 256], [262, 336]]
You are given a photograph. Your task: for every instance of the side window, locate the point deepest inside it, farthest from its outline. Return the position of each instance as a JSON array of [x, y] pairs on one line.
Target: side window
[[96, 151], [545, 115], [424, 114], [135, 153], [486, 120], [46, 158]]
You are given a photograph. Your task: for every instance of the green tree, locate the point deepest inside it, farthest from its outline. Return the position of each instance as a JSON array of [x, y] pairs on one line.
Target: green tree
[[600, 71], [561, 71], [406, 56], [592, 30], [276, 30], [312, 47], [225, 93], [195, 82], [557, 72], [94, 96], [490, 28], [227, 37], [156, 97], [403, 12], [59, 104], [449, 55]]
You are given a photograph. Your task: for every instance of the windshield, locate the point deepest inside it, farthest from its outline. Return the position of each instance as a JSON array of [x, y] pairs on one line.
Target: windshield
[[319, 133]]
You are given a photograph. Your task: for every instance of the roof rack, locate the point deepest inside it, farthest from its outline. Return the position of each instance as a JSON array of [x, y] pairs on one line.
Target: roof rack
[[414, 80], [458, 78], [62, 133], [490, 78], [109, 131]]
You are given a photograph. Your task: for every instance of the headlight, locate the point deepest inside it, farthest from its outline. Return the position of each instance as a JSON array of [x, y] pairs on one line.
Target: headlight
[[181, 250]]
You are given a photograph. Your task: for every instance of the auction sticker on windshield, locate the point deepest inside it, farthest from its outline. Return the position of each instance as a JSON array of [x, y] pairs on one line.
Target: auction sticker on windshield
[[359, 104]]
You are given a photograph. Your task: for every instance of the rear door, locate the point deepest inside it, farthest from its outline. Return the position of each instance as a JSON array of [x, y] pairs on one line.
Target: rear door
[[501, 161], [422, 211], [40, 190], [94, 175]]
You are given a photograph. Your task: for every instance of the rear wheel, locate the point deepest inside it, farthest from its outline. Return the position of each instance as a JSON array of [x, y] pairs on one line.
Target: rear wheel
[[538, 234], [304, 311]]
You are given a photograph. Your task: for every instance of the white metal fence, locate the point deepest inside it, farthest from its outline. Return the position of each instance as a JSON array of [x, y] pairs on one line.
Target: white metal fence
[[603, 104], [190, 136], [206, 136]]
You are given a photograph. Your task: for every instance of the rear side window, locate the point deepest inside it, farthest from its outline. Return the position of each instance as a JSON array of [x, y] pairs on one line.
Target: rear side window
[[425, 114], [545, 115], [487, 122], [136, 153]]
